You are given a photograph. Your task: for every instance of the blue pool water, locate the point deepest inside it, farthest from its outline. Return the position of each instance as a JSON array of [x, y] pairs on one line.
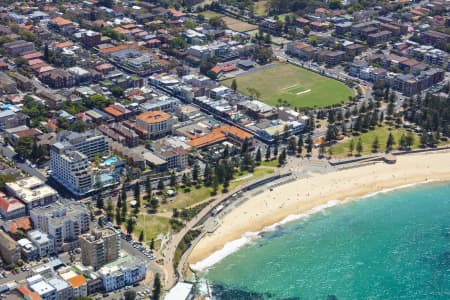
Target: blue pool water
[[110, 161]]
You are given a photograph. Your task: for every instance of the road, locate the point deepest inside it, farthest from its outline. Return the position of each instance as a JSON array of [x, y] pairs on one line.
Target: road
[[170, 276], [9, 153]]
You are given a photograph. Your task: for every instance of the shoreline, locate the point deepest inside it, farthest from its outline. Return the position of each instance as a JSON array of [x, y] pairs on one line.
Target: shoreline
[[310, 195]]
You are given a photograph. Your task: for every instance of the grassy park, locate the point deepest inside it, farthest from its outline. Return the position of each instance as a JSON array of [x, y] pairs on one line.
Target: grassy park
[[298, 87], [342, 149], [154, 224]]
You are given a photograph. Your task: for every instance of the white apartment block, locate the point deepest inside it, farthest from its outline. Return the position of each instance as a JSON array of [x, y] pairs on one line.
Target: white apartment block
[[125, 271], [70, 157], [71, 169], [64, 222], [32, 191], [41, 287], [91, 143], [42, 241]]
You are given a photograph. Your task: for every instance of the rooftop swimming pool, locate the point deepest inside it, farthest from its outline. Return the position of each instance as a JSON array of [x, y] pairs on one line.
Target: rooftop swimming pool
[[110, 161]]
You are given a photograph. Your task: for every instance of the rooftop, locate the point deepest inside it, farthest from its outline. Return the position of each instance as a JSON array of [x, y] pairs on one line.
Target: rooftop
[[154, 117], [77, 281]]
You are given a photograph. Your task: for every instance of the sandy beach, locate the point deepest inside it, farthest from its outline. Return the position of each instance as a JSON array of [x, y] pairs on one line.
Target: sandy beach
[[303, 195]]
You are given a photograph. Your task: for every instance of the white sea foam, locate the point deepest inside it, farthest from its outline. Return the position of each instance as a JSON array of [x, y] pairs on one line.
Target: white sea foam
[[227, 249], [248, 237]]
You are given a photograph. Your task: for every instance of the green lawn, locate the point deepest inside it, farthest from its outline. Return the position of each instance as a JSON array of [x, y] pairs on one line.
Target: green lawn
[[342, 149], [152, 226], [208, 14], [257, 173], [197, 195], [261, 8], [298, 86], [183, 200]]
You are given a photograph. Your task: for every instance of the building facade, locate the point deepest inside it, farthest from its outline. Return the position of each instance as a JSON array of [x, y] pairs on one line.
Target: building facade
[[100, 247], [156, 123], [63, 222]]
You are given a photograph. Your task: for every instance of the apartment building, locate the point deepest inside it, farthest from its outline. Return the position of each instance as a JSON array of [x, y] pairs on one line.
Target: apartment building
[[64, 222], [125, 271], [76, 281], [100, 247], [91, 143], [10, 119], [410, 85], [432, 37], [271, 26], [71, 168], [63, 289], [41, 287], [7, 85], [58, 78], [120, 133], [9, 250], [379, 37], [331, 58], [17, 48], [301, 50], [156, 123], [32, 191], [42, 241], [70, 156]]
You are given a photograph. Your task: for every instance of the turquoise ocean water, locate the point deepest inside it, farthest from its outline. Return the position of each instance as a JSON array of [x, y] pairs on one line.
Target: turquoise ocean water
[[393, 245]]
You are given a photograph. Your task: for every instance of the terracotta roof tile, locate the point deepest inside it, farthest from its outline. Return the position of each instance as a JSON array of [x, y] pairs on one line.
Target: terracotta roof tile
[[77, 281], [61, 21]]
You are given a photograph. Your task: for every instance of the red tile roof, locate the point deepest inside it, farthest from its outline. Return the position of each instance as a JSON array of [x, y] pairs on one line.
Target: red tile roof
[[33, 55], [7, 205], [61, 21], [64, 45], [77, 281], [28, 294], [22, 224]]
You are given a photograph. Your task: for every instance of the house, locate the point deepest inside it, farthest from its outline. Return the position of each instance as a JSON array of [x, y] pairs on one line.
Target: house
[[319, 26], [118, 112], [302, 22], [62, 25], [11, 208]]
